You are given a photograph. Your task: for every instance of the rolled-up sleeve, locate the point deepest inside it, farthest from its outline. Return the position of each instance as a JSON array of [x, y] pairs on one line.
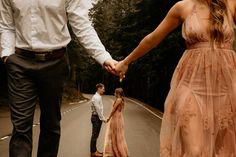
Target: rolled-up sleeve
[[83, 29], [7, 28]]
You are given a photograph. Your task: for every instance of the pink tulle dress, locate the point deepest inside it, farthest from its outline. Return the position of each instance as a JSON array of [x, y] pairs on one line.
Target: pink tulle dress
[[199, 118], [115, 142]]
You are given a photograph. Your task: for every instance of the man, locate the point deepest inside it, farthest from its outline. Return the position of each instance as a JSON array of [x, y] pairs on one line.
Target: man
[[97, 119], [34, 35]]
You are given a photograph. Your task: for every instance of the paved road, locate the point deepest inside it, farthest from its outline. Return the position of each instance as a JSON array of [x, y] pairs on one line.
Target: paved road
[[142, 127]]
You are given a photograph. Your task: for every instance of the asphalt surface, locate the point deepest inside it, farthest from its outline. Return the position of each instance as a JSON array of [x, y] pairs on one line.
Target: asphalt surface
[[142, 128]]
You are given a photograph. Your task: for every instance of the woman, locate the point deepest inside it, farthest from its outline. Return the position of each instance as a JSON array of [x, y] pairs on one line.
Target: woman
[[199, 118], [115, 143]]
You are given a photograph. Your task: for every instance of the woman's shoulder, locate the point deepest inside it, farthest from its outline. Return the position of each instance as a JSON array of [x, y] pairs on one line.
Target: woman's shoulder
[[232, 6], [232, 2], [184, 4], [184, 7], [119, 100]]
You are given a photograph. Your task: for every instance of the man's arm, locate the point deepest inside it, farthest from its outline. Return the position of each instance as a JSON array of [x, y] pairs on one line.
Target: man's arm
[[7, 28], [99, 111], [82, 27]]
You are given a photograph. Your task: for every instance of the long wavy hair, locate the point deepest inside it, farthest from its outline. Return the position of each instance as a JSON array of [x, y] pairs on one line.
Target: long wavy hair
[[120, 91], [218, 12]]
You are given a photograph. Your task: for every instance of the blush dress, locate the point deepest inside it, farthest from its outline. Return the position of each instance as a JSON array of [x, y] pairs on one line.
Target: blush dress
[[200, 109], [115, 142]]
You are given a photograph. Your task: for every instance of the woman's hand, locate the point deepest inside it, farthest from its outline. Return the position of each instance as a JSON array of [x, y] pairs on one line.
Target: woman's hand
[[121, 68]]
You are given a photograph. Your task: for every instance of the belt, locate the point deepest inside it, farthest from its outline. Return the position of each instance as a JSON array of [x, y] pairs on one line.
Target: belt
[[42, 56], [94, 113]]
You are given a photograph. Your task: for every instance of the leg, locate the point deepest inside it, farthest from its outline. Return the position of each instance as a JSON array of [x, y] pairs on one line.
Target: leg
[[192, 133], [50, 87], [191, 124], [23, 99], [96, 124]]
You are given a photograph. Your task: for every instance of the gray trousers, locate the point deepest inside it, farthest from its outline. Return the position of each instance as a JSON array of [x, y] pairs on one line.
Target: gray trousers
[[30, 82]]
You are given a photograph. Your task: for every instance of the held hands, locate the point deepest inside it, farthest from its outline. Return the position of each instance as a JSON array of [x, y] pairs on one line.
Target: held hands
[[121, 68], [116, 68], [109, 65], [108, 119]]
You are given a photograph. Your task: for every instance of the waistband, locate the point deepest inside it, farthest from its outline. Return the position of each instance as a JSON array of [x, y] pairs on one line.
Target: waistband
[[95, 115], [209, 45], [41, 56]]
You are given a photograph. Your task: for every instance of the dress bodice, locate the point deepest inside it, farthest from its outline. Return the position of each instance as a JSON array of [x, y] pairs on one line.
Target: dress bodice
[[197, 36]]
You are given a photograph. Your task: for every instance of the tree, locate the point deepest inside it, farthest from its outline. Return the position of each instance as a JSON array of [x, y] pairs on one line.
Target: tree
[[121, 25]]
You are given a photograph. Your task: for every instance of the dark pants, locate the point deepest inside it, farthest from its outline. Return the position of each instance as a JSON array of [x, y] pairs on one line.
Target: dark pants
[[96, 124], [30, 82]]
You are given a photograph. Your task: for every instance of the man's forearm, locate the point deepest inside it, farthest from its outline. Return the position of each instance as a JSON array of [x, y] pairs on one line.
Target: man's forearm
[[91, 42], [82, 27], [7, 29]]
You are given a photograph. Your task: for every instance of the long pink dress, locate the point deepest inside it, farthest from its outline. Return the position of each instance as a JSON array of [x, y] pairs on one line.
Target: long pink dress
[[199, 118], [115, 143]]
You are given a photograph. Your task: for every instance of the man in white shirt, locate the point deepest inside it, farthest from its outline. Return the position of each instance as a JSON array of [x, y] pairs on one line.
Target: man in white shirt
[[97, 119], [34, 35]]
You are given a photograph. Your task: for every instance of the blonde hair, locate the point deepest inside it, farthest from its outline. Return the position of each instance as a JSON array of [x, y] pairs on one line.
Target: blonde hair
[[120, 91], [218, 10]]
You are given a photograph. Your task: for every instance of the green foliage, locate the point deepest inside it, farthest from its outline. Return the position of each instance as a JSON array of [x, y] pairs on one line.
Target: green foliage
[[110, 21], [120, 26]]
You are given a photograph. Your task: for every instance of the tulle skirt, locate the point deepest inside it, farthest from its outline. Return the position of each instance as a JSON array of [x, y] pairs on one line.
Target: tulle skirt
[[115, 142], [199, 118]]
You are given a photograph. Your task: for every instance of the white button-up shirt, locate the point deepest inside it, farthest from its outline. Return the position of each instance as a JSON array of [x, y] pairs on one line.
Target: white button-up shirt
[[41, 25], [97, 106]]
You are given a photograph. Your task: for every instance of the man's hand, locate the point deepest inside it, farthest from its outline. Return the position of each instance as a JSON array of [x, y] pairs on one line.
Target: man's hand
[[110, 65], [4, 59]]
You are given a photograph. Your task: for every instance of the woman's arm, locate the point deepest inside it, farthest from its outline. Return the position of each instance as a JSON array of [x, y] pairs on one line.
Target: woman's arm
[[234, 12], [115, 107], [232, 7], [172, 20]]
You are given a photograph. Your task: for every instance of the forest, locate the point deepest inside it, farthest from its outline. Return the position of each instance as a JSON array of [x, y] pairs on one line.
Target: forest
[[121, 25]]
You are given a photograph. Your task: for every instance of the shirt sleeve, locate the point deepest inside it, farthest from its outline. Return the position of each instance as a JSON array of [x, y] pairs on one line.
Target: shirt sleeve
[[98, 108], [83, 29], [7, 28]]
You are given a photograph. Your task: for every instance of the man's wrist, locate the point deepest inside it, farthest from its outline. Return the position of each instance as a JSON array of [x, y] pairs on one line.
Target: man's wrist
[[102, 59]]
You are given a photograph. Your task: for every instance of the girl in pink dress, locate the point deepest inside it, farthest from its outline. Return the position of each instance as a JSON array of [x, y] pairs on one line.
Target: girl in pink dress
[[200, 110], [115, 143]]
